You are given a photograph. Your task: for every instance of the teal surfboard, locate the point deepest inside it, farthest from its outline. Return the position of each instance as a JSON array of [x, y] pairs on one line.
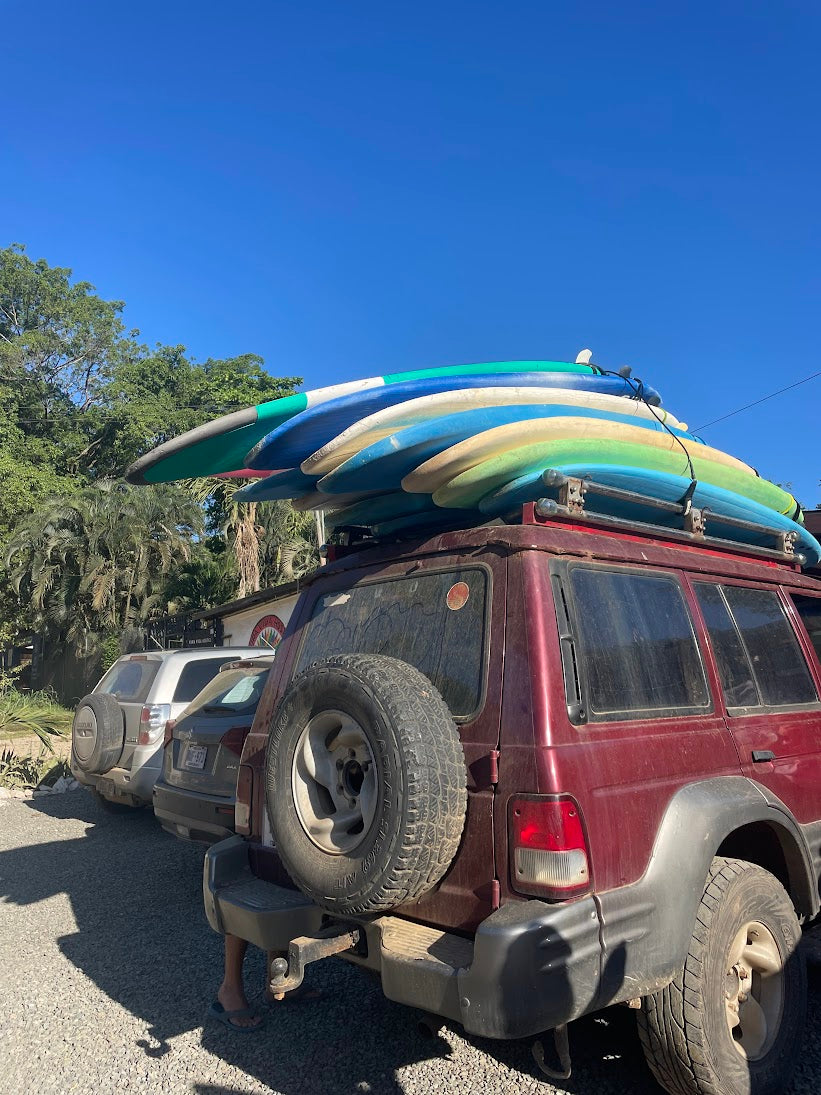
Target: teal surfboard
[[221, 445]]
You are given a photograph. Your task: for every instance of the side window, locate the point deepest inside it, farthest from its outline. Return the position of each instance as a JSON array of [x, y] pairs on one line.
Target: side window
[[809, 609], [778, 664], [759, 659], [637, 651], [734, 670]]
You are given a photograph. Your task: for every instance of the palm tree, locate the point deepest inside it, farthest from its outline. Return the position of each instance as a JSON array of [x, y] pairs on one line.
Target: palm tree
[[95, 563], [271, 542]]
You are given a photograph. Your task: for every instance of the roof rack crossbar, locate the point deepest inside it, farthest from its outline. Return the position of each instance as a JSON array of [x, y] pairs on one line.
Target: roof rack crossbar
[[694, 520]]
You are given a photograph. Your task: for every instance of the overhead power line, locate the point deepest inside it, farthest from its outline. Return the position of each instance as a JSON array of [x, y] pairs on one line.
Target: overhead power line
[[756, 402]]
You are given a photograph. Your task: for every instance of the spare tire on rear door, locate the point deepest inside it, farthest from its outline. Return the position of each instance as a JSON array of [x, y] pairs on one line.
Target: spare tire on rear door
[[365, 780], [97, 733]]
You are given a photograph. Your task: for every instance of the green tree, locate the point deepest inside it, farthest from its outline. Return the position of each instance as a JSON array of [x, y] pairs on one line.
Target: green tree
[[206, 580], [94, 563], [154, 396], [270, 541]]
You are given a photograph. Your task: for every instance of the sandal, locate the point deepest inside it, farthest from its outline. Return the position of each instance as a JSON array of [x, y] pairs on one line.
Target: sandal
[[218, 1012]]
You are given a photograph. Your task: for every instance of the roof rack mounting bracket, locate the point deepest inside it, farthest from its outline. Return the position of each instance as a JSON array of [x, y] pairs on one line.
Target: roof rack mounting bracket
[[571, 494], [694, 521]]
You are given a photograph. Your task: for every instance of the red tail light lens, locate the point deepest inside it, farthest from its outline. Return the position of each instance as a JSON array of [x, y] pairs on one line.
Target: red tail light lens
[[234, 739], [168, 733], [153, 718], [548, 847]]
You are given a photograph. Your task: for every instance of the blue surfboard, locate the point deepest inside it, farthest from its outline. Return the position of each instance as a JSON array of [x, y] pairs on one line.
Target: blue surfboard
[[289, 483], [386, 462], [297, 439], [715, 501]]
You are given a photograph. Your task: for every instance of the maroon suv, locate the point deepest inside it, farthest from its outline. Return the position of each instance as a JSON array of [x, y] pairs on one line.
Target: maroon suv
[[525, 772]]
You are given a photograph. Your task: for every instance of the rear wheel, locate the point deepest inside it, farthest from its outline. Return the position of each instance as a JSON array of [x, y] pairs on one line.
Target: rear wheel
[[731, 1022], [365, 783]]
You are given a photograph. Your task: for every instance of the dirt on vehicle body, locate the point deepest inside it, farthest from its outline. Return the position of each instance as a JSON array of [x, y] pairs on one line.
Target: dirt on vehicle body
[[527, 772]]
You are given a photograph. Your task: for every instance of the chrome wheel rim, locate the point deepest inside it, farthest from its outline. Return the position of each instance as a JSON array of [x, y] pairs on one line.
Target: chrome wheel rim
[[334, 782], [754, 990]]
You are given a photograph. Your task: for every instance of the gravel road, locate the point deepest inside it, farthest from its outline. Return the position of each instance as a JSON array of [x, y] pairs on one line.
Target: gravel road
[[107, 965]]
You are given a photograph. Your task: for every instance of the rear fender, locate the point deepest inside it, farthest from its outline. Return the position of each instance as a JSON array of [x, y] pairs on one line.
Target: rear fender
[[646, 927]]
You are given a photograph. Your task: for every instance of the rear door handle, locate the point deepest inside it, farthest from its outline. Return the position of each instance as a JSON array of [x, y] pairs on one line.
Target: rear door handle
[[762, 755]]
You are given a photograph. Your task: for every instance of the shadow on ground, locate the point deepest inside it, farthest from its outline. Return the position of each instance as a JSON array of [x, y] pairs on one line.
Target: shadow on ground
[[143, 939]]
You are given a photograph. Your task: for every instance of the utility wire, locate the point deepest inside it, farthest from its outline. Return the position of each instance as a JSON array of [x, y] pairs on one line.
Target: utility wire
[[756, 402]]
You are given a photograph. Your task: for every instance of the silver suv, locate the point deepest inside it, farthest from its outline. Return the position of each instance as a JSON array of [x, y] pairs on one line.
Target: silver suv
[[116, 746]]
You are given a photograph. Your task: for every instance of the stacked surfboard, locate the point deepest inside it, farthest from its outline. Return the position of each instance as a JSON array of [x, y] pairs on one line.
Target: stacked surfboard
[[459, 445]]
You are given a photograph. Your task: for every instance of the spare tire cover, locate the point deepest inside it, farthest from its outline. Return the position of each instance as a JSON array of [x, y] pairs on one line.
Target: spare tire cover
[[97, 733], [365, 782]]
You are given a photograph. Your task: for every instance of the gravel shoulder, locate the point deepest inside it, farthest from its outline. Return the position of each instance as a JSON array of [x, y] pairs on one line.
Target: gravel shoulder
[[107, 967]]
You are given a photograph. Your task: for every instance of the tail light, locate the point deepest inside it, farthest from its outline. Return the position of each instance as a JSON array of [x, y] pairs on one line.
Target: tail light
[[234, 739], [153, 718], [548, 845], [245, 794], [168, 734]]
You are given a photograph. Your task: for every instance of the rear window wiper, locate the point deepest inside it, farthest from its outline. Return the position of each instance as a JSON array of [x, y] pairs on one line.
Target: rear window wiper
[[212, 708]]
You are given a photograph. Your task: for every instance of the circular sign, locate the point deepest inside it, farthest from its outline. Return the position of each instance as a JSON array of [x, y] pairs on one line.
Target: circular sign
[[268, 632], [457, 596]]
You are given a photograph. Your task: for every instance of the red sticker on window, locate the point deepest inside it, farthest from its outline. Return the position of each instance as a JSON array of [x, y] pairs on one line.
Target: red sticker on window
[[458, 596]]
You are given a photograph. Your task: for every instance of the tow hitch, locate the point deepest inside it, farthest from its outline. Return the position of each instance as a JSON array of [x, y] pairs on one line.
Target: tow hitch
[[287, 973]]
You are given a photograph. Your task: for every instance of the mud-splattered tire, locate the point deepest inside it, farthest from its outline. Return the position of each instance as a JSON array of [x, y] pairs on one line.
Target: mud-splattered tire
[[731, 1022], [365, 783]]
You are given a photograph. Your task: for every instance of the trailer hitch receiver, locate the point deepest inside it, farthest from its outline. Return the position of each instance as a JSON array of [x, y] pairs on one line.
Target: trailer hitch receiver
[[287, 973]]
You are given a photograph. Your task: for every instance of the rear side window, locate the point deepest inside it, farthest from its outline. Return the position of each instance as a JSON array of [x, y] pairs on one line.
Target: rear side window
[[233, 691], [809, 609], [734, 669], [637, 651], [435, 622], [759, 659], [129, 680], [195, 676]]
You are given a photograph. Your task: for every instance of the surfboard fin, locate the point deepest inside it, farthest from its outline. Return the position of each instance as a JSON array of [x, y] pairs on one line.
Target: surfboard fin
[[583, 357]]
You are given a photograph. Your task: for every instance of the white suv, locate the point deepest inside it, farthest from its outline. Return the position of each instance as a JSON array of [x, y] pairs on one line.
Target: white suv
[[116, 738]]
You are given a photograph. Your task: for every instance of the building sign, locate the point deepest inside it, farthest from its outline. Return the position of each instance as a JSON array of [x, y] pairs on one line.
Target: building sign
[[268, 632]]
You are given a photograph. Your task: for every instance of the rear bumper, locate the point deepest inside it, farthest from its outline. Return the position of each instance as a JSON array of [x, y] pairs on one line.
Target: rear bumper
[[120, 784], [530, 966], [192, 815]]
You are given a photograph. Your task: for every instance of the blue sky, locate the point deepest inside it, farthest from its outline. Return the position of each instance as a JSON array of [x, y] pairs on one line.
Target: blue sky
[[350, 189]]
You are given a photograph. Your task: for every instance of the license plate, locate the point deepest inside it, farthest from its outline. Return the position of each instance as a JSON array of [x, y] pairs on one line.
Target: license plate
[[195, 756], [105, 786]]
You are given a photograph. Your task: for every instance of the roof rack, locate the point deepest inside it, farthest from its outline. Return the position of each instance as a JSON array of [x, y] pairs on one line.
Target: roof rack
[[570, 504]]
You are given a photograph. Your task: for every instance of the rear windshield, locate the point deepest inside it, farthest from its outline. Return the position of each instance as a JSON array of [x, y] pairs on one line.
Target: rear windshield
[[196, 675], [233, 692], [129, 680], [435, 622]]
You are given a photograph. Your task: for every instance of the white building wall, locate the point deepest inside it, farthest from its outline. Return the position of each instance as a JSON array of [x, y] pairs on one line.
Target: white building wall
[[261, 625]]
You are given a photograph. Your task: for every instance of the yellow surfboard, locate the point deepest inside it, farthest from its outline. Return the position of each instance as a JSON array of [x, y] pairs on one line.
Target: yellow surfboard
[[440, 469]]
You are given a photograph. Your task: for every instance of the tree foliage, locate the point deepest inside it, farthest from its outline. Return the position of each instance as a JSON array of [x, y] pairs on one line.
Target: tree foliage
[[94, 563], [82, 398]]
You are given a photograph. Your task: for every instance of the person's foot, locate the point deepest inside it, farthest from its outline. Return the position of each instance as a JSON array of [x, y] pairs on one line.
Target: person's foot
[[235, 1001]]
